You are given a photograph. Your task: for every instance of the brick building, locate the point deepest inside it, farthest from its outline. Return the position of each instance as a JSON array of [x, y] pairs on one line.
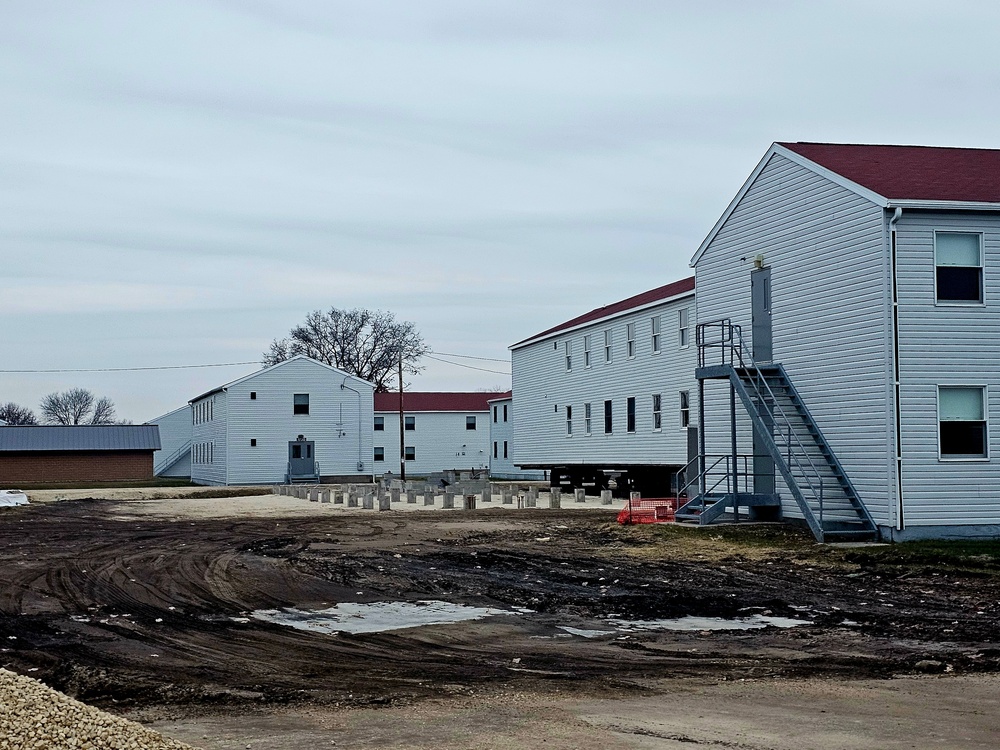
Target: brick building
[[82, 453]]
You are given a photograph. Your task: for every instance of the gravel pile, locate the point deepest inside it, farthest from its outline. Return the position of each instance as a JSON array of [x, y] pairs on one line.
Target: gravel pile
[[35, 716]]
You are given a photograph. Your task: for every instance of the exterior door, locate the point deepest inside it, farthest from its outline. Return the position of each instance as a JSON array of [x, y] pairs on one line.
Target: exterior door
[[301, 458], [760, 308]]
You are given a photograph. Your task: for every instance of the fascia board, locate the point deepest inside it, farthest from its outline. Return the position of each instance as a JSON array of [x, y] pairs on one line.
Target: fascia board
[[601, 321], [938, 205]]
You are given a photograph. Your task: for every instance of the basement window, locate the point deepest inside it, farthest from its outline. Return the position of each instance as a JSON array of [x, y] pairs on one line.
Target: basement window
[[958, 259], [962, 422], [300, 403]]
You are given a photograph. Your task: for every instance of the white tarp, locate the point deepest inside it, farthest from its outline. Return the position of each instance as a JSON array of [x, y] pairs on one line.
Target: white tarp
[[10, 498]]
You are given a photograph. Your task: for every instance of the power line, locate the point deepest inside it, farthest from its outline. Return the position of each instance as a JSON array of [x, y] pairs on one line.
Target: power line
[[470, 367], [132, 369], [469, 356]]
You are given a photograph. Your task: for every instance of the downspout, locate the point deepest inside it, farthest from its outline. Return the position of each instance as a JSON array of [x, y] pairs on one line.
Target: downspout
[[345, 386], [895, 369]]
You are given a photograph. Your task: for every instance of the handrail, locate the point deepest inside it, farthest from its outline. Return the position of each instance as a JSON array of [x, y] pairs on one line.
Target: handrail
[[730, 341], [173, 458], [732, 486]]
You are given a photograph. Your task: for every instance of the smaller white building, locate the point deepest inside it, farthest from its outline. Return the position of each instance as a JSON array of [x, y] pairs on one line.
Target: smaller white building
[[174, 457], [300, 420], [502, 441], [441, 431]]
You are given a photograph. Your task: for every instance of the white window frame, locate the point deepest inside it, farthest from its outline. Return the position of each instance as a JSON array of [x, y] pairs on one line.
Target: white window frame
[[955, 457], [630, 340], [375, 454], [568, 346], [684, 403], [569, 421], [684, 328], [654, 323], [587, 421], [608, 353], [378, 426], [586, 351], [981, 302], [657, 412]]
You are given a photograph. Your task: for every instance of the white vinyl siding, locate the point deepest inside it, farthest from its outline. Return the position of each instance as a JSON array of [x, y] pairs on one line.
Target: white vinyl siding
[[539, 385], [825, 247], [442, 440], [209, 440], [944, 345], [175, 434], [501, 465]]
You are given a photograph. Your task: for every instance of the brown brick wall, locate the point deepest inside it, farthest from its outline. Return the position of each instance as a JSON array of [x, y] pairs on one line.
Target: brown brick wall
[[82, 466]]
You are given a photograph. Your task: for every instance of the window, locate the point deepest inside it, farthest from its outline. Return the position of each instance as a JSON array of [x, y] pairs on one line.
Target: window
[[495, 414], [379, 453], [630, 414], [494, 449], [655, 322], [630, 339], [586, 418], [657, 412], [300, 403], [409, 423], [253, 442], [505, 449], [586, 350], [685, 409], [569, 355], [253, 395], [470, 423], [958, 257], [505, 412], [410, 453], [379, 424], [296, 451], [569, 420], [962, 421], [607, 346], [607, 417], [683, 334]]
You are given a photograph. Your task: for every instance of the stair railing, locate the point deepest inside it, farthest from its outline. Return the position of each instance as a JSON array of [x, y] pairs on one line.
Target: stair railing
[[727, 477], [735, 353], [173, 458]]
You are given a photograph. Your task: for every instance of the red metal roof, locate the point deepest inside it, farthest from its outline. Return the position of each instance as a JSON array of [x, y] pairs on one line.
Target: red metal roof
[[646, 298], [912, 172], [417, 401]]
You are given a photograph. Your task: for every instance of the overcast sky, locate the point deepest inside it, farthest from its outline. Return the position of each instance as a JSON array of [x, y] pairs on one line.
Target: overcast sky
[[181, 182]]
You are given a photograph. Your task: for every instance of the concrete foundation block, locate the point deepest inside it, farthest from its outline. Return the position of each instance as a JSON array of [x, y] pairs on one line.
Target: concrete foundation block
[[385, 502], [470, 502], [352, 500], [581, 494], [429, 497], [605, 497], [635, 495], [338, 498], [368, 501], [324, 496], [449, 500], [314, 495], [555, 498], [394, 495], [411, 497], [507, 497]]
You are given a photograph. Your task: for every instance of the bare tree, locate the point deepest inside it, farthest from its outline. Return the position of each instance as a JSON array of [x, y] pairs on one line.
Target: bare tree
[[364, 343], [77, 406], [14, 414]]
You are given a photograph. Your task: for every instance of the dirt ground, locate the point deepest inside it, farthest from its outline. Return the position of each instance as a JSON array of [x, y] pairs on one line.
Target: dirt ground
[[144, 607]]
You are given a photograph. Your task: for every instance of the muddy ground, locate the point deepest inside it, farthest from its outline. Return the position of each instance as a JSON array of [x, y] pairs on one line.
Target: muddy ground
[[147, 613]]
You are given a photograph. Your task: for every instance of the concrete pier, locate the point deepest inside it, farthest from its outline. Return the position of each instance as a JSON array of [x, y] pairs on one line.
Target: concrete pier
[[605, 497], [449, 499], [555, 497], [581, 494]]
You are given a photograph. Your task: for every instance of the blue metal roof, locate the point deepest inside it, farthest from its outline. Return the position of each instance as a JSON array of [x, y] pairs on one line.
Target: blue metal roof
[[144, 437]]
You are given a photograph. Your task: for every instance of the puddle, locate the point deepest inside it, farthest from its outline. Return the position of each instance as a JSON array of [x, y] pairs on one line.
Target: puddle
[[378, 617], [584, 633], [708, 623]]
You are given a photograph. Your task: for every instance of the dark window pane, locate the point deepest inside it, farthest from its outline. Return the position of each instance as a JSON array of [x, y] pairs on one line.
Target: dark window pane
[[963, 438], [955, 283], [300, 403], [296, 451], [470, 423], [607, 416], [630, 415], [410, 423]]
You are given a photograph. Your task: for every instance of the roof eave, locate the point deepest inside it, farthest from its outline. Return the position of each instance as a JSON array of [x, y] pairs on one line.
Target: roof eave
[[939, 205], [599, 321]]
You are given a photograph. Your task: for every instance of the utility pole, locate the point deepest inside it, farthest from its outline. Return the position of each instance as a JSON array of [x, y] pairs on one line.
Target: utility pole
[[402, 440]]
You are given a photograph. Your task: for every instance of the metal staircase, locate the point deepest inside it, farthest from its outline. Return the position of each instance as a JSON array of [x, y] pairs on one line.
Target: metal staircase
[[788, 435], [172, 459]]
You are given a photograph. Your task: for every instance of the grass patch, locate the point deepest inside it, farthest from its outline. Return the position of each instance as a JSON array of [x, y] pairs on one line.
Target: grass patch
[[959, 554]]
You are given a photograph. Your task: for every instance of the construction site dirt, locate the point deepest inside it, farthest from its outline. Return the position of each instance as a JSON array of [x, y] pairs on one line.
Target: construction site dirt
[[184, 619]]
